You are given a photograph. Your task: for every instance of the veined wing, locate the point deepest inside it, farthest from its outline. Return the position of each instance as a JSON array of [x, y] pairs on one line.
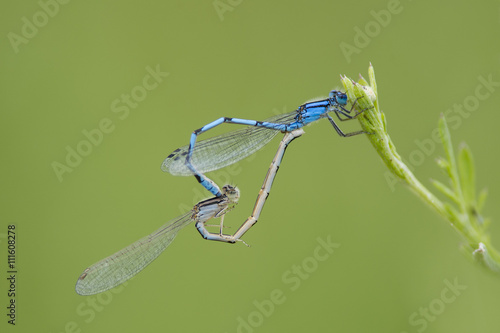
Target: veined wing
[[225, 149], [124, 264]]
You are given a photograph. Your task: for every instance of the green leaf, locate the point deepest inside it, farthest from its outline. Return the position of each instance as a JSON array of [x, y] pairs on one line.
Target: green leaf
[[362, 80], [450, 156], [442, 163], [373, 82], [445, 167], [453, 215], [467, 174], [445, 190], [446, 140], [482, 199]]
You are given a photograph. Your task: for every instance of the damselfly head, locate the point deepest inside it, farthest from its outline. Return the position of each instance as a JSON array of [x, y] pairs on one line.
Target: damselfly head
[[231, 192], [338, 97]]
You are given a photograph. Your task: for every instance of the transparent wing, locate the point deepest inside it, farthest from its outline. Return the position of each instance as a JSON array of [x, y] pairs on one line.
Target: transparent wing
[[224, 149], [124, 264]]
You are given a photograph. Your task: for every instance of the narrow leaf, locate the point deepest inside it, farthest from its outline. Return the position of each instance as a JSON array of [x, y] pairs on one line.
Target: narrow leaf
[[443, 164], [362, 81], [445, 190], [482, 199], [467, 174], [373, 82], [450, 156], [445, 167], [453, 215]]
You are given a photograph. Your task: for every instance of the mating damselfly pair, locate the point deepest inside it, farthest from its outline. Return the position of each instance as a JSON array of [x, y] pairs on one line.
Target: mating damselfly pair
[[209, 155]]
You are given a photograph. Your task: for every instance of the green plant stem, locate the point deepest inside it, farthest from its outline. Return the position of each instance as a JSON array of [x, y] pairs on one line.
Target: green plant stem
[[463, 220]]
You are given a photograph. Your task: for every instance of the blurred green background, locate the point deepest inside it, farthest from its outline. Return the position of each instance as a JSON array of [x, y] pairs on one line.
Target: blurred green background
[[67, 67]]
